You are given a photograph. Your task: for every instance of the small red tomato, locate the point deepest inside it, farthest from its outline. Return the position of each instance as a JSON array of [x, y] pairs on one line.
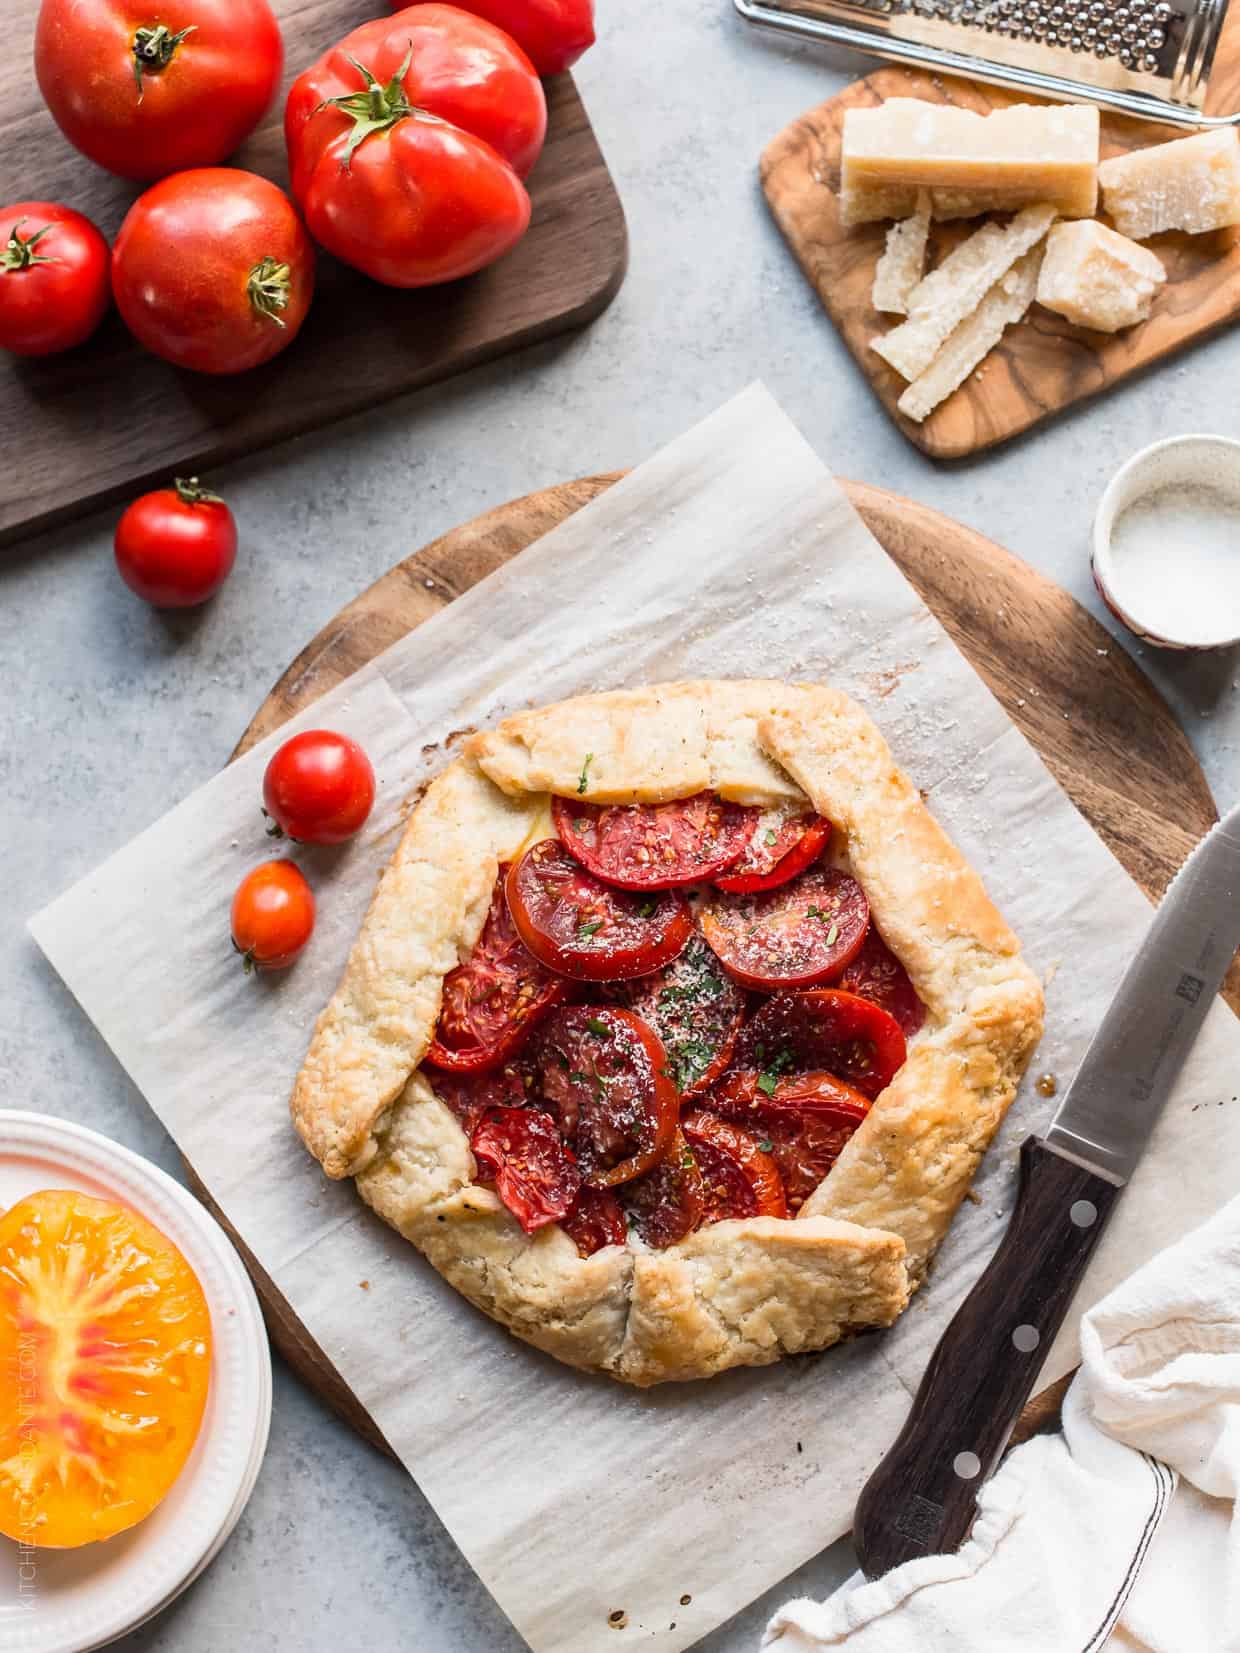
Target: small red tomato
[[54, 285], [319, 788], [213, 270], [272, 915], [552, 33], [176, 547], [146, 90]]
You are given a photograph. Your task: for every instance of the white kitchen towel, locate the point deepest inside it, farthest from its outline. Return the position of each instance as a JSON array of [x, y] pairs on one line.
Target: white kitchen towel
[[1123, 1530]]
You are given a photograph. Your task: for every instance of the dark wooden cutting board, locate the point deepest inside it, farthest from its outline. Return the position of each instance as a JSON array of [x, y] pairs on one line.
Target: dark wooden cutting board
[[1104, 731], [97, 423], [1044, 364]]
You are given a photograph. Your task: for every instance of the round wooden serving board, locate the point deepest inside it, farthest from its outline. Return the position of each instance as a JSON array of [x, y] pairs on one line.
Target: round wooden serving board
[[1105, 733]]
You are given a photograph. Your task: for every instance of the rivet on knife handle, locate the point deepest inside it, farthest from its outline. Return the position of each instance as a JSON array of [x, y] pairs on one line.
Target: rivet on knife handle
[[921, 1499]]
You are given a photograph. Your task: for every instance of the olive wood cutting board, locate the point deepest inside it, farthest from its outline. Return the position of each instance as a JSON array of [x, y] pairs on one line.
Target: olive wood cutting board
[[99, 422], [1104, 731], [1043, 364]]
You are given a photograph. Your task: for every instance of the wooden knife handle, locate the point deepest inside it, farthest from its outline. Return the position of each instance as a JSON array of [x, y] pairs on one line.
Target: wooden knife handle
[[921, 1498]]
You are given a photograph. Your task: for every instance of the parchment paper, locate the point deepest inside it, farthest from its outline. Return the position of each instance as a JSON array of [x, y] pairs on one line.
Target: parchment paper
[[731, 552]]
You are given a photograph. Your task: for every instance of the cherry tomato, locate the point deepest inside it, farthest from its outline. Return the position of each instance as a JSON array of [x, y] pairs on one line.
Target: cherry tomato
[[147, 90], [105, 1364], [272, 915], [669, 1201], [802, 1121], [213, 270], [552, 33], [784, 843], [494, 1000], [319, 787], [54, 278], [696, 1011], [654, 846], [176, 547], [824, 1029], [739, 1177], [581, 928], [522, 1153], [604, 1073], [877, 974], [470, 1094], [597, 1220], [793, 936], [408, 142]]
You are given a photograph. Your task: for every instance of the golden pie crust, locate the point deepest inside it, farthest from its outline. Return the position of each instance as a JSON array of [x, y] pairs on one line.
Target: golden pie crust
[[736, 1293]]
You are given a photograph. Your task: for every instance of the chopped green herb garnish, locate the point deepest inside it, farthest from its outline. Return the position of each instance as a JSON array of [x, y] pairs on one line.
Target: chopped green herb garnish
[[767, 1083], [771, 837], [585, 931], [687, 1161], [833, 935], [597, 1025], [780, 1063], [580, 824], [646, 907], [581, 779], [766, 1145]]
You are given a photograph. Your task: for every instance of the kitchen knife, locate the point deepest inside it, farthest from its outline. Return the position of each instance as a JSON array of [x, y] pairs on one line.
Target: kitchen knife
[[921, 1498]]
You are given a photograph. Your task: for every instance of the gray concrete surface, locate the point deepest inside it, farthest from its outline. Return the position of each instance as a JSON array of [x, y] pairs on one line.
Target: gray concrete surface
[[110, 712]]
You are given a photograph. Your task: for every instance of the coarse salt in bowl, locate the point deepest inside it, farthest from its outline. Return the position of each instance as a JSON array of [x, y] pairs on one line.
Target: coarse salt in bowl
[[1167, 543]]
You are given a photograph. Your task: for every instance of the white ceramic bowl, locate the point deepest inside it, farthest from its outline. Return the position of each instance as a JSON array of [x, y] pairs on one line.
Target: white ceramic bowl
[[83, 1598], [1210, 467]]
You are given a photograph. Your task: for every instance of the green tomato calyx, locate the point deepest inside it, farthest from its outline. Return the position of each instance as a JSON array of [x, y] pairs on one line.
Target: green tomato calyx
[[154, 47], [375, 108], [191, 492], [20, 255], [268, 288]]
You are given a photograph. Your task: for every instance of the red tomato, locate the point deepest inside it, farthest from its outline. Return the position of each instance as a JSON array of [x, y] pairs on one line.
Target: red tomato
[[522, 1153], [877, 974], [654, 846], [597, 1220], [739, 1178], [784, 843], [794, 936], [669, 1201], [54, 278], [408, 142], [552, 33], [176, 547], [145, 92], [825, 1029], [802, 1121], [470, 1094], [696, 1011], [272, 915], [213, 270], [604, 1073], [581, 928], [494, 1000], [319, 788]]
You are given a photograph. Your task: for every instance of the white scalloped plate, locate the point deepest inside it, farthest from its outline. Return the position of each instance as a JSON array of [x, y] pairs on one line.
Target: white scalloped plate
[[81, 1599]]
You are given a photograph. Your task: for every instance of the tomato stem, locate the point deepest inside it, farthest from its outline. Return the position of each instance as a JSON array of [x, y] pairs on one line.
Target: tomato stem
[[191, 492], [19, 254], [376, 108], [268, 288], [154, 47]]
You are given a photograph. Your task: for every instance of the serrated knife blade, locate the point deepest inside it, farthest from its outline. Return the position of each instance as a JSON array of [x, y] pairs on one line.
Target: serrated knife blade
[[921, 1499]]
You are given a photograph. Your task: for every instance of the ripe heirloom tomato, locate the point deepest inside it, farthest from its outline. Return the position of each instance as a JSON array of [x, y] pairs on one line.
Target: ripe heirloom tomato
[[522, 1153], [824, 1029], [597, 1220], [877, 974], [213, 270], [784, 843], [669, 1201], [176, 546], [552, 33], [739, 1177], [582, 928], [795, 935], [272, 915], [408, 143], [654, 846], [148, 90], [54, 278], [802, 1121], [319, 787], [105, 1364], [494, 999], [694, 1008]]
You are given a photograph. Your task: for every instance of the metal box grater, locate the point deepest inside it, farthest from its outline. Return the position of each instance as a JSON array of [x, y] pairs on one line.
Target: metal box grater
[[1148, 58]]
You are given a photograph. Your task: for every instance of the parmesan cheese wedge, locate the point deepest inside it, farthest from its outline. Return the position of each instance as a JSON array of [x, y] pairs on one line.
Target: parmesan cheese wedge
[[969, 163], [941, 301], [1097, 278], [975, 337], [903, 262], [1192, 184]]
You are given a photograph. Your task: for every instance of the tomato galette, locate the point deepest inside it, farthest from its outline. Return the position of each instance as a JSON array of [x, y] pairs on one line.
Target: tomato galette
[[676, 1029]]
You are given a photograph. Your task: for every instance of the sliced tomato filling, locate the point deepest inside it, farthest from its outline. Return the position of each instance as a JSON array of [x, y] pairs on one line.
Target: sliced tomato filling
[[800, 934], [739, 1177], [877, 974], [824, 1030], [522, 1152], [802, 1122], [784, 843], [669, 1201], [597, 1220], [696, 1010], [654, 846]]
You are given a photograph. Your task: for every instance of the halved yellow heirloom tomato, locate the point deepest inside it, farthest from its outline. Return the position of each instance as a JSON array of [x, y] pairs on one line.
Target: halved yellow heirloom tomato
[[105, 1361]]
